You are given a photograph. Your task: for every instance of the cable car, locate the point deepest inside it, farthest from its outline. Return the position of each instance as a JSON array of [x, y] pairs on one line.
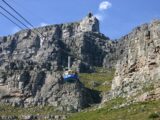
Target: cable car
[[70, 75]]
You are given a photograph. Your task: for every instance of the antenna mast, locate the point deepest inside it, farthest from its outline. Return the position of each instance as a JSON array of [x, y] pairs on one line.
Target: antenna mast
[[69, 62]]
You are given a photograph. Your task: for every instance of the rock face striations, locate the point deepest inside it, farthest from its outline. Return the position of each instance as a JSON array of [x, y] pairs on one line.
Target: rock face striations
[[32, 63], [138, 61]]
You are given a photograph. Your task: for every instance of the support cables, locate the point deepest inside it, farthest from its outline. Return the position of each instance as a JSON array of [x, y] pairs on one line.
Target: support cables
[[11, 20], [17, 13], [20, 17], [14, 17]]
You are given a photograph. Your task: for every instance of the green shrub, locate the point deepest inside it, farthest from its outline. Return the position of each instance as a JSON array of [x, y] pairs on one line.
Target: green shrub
[[154, 115]]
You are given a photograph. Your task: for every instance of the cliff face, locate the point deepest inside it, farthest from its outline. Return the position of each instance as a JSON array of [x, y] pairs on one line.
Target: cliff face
[[32, 62], [138, 61]]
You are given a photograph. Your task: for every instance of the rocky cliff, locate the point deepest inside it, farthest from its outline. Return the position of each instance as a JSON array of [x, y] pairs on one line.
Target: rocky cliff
[[138, 62], [32, 63]]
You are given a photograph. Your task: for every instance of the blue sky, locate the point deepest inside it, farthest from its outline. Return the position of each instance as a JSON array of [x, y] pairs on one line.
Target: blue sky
[[117, 17]]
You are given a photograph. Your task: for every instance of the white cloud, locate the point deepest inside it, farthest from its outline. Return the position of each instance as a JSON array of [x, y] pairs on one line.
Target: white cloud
[[15, 29], [100, 17], [43, 24], [105, 5]]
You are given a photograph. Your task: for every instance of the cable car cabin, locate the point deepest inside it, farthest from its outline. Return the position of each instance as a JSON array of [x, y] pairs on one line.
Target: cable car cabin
[[70, 76]]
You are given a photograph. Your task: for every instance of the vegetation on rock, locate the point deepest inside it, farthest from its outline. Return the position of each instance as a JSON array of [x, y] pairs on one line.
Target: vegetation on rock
[[99, 80], [137, 111]]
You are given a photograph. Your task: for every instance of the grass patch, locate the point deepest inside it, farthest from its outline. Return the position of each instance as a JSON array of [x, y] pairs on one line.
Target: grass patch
[[8, 110], [138, 111], [148, 88], [95, 80]]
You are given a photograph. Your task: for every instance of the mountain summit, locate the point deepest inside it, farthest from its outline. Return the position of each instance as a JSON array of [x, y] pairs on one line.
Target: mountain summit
[[32, 63]]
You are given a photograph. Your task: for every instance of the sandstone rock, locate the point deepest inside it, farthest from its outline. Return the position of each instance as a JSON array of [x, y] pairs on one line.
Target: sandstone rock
[[151, 95], [137, 60], [31, 64]]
